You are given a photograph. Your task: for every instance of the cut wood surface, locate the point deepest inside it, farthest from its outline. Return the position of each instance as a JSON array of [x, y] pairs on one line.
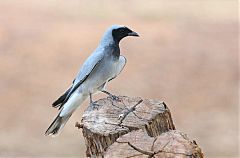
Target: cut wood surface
[[103, 125], [138, 144]]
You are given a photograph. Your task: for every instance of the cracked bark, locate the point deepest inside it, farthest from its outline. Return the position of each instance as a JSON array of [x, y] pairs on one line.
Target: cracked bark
[[139, 144], [102, 127]]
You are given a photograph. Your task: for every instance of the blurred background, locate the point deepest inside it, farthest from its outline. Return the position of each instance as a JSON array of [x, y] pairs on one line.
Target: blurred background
[[187, 56]]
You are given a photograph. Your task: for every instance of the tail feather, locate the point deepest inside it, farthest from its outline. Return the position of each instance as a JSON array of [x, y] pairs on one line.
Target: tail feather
[[57, 125], [66, 110], [61, 99]]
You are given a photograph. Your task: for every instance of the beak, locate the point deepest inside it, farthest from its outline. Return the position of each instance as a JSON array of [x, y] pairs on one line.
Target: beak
[[133, 34]]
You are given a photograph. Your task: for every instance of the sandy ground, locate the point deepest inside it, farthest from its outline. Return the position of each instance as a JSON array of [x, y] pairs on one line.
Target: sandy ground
[[186, 56]]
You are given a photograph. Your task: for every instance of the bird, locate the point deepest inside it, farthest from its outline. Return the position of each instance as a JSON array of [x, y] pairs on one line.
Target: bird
[[102, 66]]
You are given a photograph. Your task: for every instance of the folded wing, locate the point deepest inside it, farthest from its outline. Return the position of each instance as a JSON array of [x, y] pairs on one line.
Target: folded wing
[[86, 69]]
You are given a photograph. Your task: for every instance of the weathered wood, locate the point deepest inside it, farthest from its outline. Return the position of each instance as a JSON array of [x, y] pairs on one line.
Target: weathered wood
[[102, 126], [138, 144]]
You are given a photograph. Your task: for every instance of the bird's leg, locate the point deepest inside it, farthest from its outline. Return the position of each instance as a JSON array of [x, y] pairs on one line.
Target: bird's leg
[[93, 104], [114, 97]]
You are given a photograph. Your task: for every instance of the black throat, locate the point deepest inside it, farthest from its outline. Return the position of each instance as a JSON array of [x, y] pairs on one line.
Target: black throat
[[115, 49]]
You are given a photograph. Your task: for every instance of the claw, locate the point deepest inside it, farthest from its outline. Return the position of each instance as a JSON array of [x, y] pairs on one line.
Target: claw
[[95, 106], [116, 98], [113, 97]]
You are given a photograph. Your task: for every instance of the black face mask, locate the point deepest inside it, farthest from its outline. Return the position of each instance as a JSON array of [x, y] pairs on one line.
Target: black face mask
[[122, 32]]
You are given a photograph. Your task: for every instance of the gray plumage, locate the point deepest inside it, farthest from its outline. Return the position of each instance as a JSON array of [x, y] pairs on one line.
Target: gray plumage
[[103, 65]]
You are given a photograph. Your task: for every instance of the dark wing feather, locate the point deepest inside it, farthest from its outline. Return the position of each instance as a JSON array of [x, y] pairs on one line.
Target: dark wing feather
[[57, 103]]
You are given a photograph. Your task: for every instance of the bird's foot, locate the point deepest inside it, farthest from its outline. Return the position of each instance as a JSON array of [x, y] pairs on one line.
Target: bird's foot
[[115, 98], [95, 105]]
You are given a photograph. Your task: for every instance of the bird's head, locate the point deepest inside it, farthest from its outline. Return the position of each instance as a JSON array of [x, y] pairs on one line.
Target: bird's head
[[117, 32]]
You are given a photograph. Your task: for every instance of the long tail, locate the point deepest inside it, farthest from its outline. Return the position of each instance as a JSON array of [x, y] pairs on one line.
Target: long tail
[[57, 125], [65, 113]]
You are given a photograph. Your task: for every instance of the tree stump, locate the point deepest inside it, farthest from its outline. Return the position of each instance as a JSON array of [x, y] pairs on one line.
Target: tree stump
[[138, 144], [103, 125]]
